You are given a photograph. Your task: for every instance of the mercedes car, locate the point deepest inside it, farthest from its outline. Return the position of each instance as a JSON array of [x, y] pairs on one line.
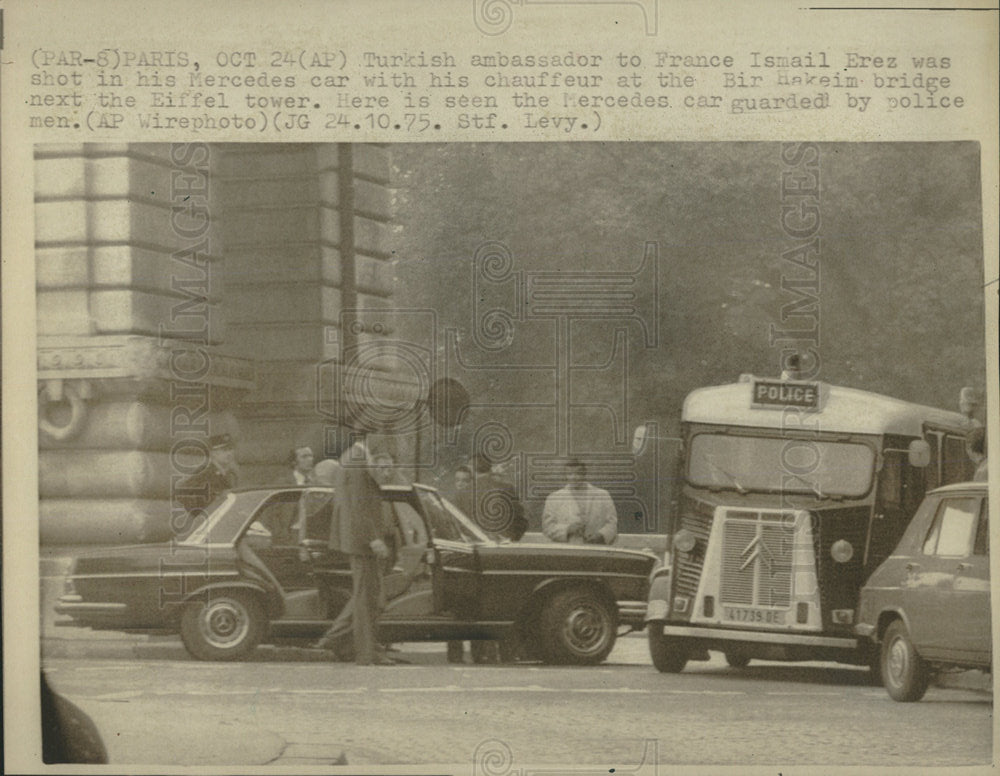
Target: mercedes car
[[258, 570]]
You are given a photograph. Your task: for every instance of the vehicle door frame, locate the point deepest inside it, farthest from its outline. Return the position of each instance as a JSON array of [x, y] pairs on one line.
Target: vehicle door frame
[[455, 572], [931, 608], [970, 596]]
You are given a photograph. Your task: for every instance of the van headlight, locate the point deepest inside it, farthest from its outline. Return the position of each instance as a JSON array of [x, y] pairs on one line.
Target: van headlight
[[684, 540], [841, 551]]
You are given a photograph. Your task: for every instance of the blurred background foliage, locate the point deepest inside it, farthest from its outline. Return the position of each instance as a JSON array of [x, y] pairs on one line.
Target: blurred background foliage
[[901, 267]]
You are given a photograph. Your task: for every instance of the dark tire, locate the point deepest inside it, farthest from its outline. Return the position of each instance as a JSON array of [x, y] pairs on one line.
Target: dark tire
[[669, 655], [226, 626], [737, 659], [904, 672], [874, 665], [577, 627], [509, 648], [484, 652]]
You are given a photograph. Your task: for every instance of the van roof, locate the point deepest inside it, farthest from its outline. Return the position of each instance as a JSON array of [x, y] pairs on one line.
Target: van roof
[[840, 409]]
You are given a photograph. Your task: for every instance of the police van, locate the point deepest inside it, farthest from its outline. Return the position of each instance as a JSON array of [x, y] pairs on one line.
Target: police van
[[791, 493]]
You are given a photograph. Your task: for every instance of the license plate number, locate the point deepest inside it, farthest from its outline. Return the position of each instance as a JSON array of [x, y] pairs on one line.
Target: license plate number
[[763, 616]]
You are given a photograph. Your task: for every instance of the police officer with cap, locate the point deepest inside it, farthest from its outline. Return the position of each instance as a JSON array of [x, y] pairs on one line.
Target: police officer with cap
[[219, 475]]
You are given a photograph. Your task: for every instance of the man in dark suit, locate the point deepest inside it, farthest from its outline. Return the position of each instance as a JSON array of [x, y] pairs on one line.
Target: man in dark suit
[[203, 487], [301, 459], [357, 530], [493, 503]]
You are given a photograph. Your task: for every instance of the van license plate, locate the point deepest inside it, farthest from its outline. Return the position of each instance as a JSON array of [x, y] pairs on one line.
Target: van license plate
[[763, 616]]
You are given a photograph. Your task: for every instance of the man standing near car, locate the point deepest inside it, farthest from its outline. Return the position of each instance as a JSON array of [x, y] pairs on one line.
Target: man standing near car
[[357, 530], [302, 460], [219, 475], [580, 512]]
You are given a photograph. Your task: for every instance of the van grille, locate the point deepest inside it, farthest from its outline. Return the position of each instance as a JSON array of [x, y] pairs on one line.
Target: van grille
[[757, 558], [697, 518]]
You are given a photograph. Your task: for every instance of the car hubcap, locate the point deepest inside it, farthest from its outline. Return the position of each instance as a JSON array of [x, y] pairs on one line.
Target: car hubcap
[[898, 660], [224, 623], [586, 628]]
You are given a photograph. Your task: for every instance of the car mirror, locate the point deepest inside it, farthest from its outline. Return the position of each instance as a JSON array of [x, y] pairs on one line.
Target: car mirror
[[919, 453]]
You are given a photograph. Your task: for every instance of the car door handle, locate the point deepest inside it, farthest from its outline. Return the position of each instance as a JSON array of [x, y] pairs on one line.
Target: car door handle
[[963, 567], [912, 566]]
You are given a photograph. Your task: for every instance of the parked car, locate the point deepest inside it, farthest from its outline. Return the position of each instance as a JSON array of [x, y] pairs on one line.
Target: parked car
[[927, 607], [258, 570]]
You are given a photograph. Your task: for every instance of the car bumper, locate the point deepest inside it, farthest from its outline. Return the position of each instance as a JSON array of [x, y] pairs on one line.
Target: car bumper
[[632, 612], [759, 637], [865, 630], [76, 607]]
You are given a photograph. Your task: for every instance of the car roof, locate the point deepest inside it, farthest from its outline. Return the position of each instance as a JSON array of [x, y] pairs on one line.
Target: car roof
[[961, 486], [393, 488]]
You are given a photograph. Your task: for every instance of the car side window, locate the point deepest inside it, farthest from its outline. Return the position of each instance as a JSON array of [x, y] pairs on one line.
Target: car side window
[[954, 526], [982, 545], [316, 508]]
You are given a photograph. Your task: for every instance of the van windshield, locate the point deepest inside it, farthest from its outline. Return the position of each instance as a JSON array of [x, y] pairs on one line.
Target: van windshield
[[775, 464]]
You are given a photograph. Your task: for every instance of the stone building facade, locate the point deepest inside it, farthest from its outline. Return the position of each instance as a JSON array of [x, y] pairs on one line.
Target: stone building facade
[[188, 290]]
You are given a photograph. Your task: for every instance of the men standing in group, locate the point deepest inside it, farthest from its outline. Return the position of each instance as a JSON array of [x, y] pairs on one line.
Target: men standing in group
[[580, 512], [491, 501], [357, 530], [219, 475]]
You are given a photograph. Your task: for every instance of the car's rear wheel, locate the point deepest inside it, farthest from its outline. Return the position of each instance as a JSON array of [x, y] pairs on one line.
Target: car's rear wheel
[[228, 625], [737, 659], [904, 672], [578, 627], [669, 655]]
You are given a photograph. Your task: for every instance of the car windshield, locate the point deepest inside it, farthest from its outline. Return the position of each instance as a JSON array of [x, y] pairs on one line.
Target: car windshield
[[775, 464], [446, 521]]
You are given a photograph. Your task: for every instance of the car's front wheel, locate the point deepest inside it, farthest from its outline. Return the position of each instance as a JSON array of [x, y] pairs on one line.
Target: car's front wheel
[[669, 655], [578, 627], [904, 672], [227, 625]]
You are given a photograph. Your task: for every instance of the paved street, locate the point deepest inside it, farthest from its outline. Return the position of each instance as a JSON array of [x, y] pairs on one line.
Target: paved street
[[290, 708]]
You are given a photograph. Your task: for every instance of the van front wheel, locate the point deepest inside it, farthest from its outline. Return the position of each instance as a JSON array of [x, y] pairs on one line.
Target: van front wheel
[[669, 655]]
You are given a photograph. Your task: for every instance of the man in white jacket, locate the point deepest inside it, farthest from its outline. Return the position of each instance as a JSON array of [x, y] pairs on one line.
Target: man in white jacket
[[580, 512]]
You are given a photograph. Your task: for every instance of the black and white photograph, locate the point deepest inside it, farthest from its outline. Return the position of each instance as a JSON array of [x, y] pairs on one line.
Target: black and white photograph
[[625, 455]]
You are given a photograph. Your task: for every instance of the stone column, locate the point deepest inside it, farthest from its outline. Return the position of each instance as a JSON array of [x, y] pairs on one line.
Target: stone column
[[133, 375], [306, 234]]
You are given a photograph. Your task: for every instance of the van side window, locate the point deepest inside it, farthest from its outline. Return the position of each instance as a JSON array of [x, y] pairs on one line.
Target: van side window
[[954, 525], [901, 484]]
